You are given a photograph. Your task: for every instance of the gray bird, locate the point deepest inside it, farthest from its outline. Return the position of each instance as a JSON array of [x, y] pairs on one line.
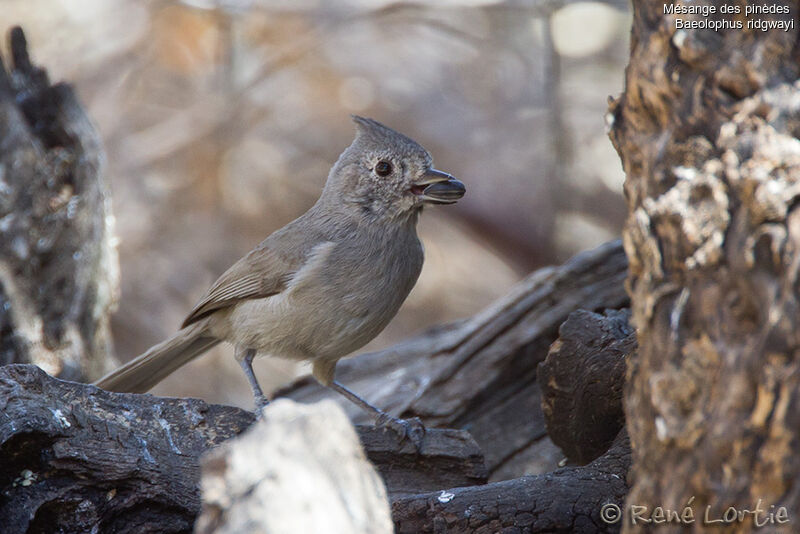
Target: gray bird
[[325, 284]]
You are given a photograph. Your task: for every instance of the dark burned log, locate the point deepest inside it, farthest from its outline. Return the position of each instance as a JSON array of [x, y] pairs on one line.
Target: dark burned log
[[446, 458], [83, 458], [57, 266], [480, 374], [707, 130], [568, 500], [582, 380]]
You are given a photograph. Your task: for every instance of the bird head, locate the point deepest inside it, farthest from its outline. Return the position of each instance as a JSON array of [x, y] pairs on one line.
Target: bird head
[[386, 174]]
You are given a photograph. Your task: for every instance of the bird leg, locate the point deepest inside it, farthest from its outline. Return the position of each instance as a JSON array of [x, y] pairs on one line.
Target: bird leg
[[412, 429], [246, 361]]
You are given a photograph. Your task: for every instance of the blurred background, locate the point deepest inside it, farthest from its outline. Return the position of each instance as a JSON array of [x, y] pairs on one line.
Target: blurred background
[[221, 119]]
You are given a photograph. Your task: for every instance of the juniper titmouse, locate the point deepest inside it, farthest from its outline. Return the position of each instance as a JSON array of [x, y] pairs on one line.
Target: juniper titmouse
[[325, 284]]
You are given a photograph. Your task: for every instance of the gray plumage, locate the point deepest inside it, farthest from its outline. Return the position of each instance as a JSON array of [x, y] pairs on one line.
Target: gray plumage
[[328, 282]]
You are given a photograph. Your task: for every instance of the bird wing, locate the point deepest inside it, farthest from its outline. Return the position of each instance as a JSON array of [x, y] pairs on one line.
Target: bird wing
[[263, 272]]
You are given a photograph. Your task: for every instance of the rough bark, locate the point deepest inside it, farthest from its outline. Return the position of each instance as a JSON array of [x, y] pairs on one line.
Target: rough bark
[[57, 266], [707, 130], [582, 380], [568, 500], [480, 374], [84, 458]]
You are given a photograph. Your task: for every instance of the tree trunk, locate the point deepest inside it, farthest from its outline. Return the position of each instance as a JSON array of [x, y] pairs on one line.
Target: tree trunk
[[57, 265], [707, 131]]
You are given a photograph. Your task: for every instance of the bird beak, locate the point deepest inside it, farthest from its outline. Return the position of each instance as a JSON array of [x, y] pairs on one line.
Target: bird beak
[[438, 187]]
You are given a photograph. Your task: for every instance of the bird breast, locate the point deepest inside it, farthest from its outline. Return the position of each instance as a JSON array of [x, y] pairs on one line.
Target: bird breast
[[344, 295]]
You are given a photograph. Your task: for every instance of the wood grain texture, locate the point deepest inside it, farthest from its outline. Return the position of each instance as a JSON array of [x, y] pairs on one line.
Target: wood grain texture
[[83, 458]]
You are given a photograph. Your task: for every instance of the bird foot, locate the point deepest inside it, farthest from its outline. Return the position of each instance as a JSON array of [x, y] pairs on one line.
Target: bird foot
[[411, 429], [261, 403]]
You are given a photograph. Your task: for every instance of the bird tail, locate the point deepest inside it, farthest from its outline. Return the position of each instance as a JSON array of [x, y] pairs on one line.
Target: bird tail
[[147, 370]]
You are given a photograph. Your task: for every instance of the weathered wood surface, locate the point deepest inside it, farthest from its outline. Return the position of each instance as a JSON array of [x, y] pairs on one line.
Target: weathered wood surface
[[446, 458], [57, 265], [77, 444], [480, 374], [567, 500], [130, 463], [582, 380], [707, 130], [82, 458]]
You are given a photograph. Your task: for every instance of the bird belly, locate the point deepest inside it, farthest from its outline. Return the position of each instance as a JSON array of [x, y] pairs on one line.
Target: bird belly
[[281, 326], [331, 308]]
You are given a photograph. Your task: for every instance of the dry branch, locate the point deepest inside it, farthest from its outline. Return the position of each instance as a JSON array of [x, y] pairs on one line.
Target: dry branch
[[82, 458], [131, 461]]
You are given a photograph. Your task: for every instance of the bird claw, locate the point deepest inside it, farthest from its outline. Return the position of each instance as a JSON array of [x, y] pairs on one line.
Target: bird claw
[[411, 429]]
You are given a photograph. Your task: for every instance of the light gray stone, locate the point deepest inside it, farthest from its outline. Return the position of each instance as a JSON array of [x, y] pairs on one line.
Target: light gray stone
[[299, 469]]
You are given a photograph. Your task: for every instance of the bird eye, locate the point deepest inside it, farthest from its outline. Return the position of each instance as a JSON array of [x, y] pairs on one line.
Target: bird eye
[[383, 168]]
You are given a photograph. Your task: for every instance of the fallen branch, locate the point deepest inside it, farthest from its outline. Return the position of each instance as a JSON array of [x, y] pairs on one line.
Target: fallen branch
[[130, 462], [568, 500]]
